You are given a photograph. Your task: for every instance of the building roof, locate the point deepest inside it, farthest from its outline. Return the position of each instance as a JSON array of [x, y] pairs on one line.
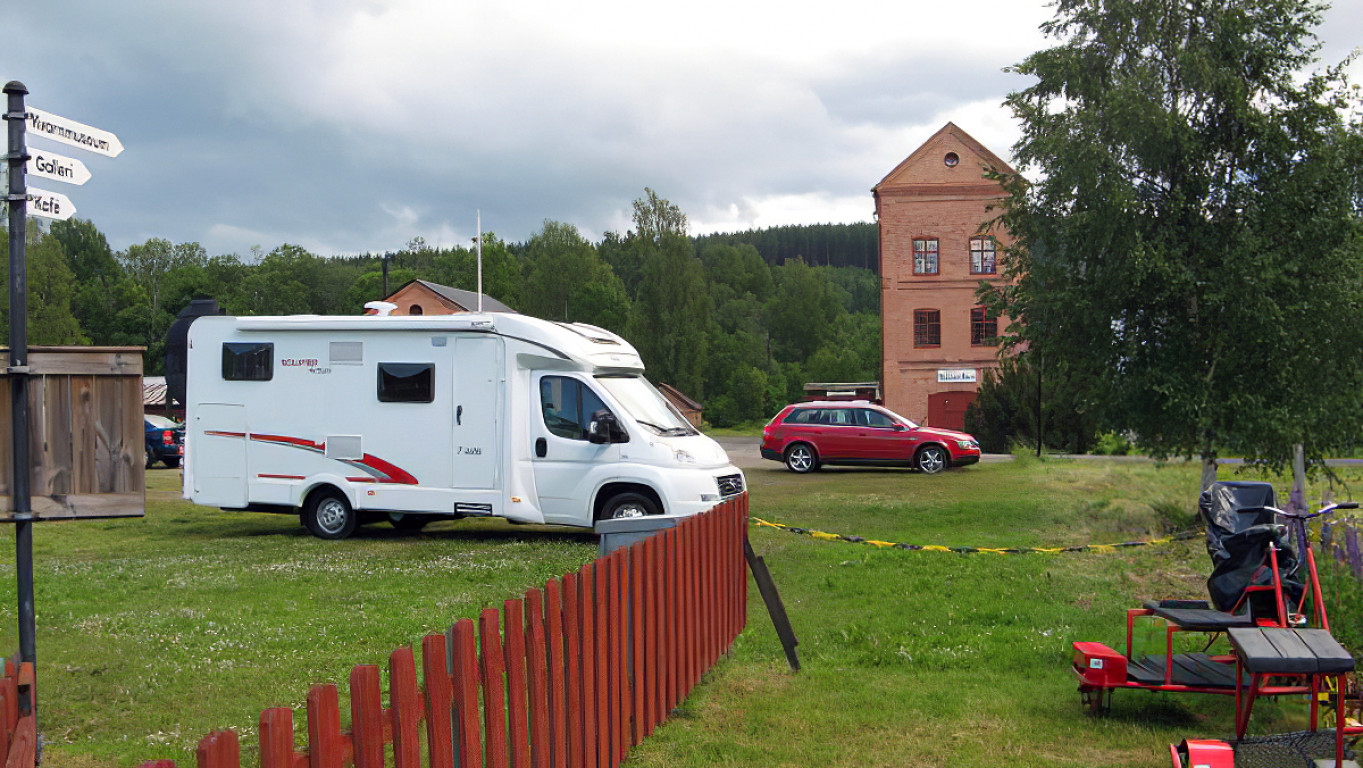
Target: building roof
[[466, 299], [153, 390], [678, 399], [952, 134]]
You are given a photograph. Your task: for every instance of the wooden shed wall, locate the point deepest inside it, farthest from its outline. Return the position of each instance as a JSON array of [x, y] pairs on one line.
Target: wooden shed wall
[[86, 434]]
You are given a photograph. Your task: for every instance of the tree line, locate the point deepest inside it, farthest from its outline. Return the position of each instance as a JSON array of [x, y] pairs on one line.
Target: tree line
[[732, 326]]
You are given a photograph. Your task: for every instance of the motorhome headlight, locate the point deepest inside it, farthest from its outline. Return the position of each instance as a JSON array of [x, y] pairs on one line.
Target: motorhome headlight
[[683, 457]]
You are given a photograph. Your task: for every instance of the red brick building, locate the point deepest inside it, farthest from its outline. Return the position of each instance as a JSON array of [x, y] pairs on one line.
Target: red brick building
[[934, 252], [422, 297]]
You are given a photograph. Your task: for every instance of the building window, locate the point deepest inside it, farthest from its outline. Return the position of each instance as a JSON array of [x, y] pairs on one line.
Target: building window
[[925, 256], [247, 361], [951, 159], [406, 382], [415, 310], [927, 328], [982, 256], [984, 330]]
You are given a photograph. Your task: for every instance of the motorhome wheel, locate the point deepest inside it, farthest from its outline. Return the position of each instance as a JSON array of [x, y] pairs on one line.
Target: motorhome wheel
[[627, 505], [329, 515]]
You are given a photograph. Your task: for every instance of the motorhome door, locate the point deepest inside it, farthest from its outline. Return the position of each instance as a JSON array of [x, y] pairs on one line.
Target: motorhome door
[[477, 412], [218, 450]]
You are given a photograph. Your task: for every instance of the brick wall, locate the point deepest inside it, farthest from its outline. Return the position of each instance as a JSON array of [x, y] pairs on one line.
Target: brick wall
[[925, 197]]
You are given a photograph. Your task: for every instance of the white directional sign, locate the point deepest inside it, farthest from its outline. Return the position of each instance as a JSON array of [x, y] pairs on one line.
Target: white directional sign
[[50, 165], [67, 131], [49, 205]]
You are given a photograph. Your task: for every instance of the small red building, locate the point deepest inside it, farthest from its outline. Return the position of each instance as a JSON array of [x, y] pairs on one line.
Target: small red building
[[422, 297]]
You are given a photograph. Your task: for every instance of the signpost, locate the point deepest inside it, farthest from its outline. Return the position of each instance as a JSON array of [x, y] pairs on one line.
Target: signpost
[[50, 205], [50, 165]]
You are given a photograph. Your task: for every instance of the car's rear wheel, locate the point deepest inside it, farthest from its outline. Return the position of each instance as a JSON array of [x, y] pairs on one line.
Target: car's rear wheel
[[151, 459], [801, 458], [931, 459], [171, 463]]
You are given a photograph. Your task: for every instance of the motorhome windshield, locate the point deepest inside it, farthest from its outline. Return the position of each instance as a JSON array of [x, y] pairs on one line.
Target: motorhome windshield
[[646, 405]]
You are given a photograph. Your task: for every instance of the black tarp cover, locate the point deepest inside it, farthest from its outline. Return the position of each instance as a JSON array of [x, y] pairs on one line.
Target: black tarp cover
[[1240, 528]]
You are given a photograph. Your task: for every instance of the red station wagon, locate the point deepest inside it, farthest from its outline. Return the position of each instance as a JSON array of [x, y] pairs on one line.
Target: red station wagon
[[805, 436]]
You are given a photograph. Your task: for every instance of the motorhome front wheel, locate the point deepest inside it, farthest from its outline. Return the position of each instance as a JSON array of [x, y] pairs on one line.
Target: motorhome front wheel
[[628, 505]]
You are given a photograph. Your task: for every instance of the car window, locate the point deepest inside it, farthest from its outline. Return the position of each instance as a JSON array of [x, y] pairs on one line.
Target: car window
[[568, 405], [838, 417], [160, 422], [802, 416], [869, 418]]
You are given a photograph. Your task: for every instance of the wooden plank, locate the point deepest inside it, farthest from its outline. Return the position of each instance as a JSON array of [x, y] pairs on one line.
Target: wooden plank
[[404, 704], [602, 648], [366, 716], [23, 746], [558, 717], [537, 678], [134, 432], [638, 688], [9, 712], [84, 446], [667, 596], [513, 612], [276, 738], [587, 622], [494, 688], [620, 656], [572, 653], [439, 702], [464, 677], [89, 361], [220, 749], [326, 745], [80, 506]]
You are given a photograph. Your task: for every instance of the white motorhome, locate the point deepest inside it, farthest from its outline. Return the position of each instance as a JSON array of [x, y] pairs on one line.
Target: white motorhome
[[346, 420]]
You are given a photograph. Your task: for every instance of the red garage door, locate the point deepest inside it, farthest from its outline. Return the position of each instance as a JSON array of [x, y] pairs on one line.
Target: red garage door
[[947, 409]]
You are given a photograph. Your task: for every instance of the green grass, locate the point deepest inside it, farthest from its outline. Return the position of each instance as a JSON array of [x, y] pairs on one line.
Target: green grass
[[152, 632]]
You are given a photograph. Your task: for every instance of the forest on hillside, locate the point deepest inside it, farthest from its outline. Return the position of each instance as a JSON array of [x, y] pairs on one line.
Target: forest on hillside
[[737, 321]]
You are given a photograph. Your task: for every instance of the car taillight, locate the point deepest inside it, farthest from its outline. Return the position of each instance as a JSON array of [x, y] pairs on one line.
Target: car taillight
[[167, 438]]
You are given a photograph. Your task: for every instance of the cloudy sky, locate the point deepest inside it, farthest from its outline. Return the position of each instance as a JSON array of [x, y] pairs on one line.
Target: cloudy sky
[[355, 125]]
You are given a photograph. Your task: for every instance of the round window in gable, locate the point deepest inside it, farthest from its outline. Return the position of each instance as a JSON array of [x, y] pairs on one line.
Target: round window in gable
[[951, 159]]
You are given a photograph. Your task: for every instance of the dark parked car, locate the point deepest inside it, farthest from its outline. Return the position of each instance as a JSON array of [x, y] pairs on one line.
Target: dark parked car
[[807, 435], [165, 441]]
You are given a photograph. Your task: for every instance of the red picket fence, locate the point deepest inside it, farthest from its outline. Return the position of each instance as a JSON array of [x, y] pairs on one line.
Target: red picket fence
[[572, 676], [18, 734]]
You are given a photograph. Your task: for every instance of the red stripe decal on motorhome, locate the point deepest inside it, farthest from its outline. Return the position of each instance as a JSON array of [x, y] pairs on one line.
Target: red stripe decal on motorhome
[[380, 470], [296, 442], [393, 474], [281, 477]]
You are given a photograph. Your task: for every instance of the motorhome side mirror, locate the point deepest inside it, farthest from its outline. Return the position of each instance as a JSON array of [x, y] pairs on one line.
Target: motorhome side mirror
[[603, 428]]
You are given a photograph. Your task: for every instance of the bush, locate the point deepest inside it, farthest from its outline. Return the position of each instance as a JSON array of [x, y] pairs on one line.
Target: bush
[[1112, 444]]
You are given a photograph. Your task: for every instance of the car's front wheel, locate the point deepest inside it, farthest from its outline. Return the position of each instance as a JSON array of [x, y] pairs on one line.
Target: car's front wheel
[[800, 458], [931, 459]]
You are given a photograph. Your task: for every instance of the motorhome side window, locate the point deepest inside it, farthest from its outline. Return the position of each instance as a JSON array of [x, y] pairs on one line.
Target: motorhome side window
[[247, 361], [406, 382], [568, 405]]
